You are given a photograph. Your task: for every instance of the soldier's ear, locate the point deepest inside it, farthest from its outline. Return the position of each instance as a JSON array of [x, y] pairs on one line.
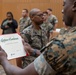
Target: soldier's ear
[[74, 7], [31, 17]]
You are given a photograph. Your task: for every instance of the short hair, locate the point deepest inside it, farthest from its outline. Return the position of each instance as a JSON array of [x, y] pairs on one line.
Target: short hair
[[10, 13], [49, 9], [33, 12], [45, 12], [26, 10]]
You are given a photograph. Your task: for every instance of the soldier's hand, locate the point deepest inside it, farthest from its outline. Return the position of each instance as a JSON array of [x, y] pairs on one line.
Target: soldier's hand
[[28, 48], [2, 54]]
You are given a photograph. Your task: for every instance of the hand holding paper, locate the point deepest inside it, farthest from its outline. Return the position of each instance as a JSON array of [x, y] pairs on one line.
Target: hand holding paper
[[12, 44], [2, 54]]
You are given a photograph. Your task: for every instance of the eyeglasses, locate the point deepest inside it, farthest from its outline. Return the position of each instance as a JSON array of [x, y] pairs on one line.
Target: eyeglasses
[[44, 15], [40, 15]]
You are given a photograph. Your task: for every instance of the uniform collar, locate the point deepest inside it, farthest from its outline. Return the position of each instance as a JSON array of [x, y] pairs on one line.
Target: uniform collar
[[36, 29], [72, 29], [25, 17]]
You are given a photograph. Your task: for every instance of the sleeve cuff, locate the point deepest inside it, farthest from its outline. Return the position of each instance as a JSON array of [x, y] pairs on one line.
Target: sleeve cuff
[[42, 67]]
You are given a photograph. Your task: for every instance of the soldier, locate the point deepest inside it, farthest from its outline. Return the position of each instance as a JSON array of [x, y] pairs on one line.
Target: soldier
[[35, 35], [47, 26], [52, 18], [24, 21], [60, 59]]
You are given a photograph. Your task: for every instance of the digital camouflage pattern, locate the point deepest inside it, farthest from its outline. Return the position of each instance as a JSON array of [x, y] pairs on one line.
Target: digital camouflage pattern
[[27, 60], [48, 27], [53, 20], [42, 67], [36, 38], [24, 23], [64, 30], [61, 56]]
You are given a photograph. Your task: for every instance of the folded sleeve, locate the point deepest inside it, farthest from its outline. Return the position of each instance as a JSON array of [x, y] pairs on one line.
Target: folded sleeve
[[42, 67]]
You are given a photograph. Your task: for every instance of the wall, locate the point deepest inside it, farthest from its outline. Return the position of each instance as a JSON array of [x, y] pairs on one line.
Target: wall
[[17, 5]]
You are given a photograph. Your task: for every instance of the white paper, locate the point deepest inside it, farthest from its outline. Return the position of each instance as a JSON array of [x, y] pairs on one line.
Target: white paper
[[12, 44]]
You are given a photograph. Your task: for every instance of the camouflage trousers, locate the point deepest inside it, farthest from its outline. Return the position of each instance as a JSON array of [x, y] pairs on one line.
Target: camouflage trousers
[[27, 60]]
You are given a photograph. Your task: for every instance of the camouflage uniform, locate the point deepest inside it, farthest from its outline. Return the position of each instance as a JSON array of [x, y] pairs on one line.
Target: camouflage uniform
[[36, 38], [48, 27], [64, 30], [61, 58], [53, 20], [24, 22]]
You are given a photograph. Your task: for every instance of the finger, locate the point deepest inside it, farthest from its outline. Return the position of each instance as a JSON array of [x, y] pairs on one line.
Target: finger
[[23, 41], [26, 44], [1, 48]]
